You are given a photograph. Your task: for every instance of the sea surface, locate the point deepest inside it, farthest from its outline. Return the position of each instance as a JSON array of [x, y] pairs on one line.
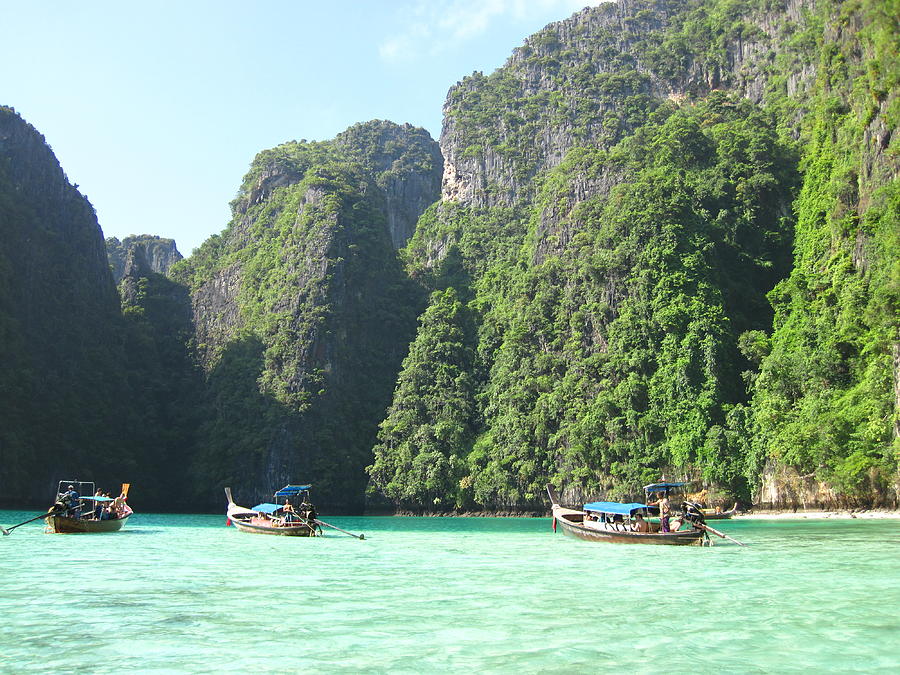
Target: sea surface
[[186, 594]]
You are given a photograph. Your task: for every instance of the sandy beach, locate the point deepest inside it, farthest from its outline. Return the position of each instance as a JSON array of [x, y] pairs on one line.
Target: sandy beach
[[798, 515]]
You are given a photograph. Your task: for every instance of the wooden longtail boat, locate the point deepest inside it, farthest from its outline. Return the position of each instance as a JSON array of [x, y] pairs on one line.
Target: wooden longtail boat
[[64, 525], [712, 514], [657, 490], [610, 522], [79, 511], [269, 518]]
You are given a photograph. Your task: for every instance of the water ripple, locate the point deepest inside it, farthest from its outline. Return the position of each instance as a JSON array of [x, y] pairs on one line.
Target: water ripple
[[435, 595]]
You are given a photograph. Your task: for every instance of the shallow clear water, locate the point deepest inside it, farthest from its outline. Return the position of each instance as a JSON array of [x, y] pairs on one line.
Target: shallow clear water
[[184, 594]]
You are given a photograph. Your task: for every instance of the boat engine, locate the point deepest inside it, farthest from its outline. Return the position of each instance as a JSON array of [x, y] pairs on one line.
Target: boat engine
[[693, 512]]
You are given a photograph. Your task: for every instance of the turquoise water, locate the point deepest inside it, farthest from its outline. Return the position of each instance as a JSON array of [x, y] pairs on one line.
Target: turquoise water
[[185, 594]]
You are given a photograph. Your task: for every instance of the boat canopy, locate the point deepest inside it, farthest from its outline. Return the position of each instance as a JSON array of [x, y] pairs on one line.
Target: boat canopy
[[267, 508], [291, 490], [662, 487], [615, 507], [98, 498]]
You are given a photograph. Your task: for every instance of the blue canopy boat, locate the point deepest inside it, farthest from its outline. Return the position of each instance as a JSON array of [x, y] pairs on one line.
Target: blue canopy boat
[[624, 523], [79, 510], [287, 519]]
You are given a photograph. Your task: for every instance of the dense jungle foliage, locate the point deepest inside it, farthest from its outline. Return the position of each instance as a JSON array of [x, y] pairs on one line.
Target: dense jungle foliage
[[617, 357], [297, 382], [723, 300], [826, 392]]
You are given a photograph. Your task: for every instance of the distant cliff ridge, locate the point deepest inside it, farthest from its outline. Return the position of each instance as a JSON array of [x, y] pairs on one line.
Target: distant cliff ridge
[[151, 254]]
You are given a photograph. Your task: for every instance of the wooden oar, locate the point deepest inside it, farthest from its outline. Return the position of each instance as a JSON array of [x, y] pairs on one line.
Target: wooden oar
[[322, 522], [30, 520], [716, 532]]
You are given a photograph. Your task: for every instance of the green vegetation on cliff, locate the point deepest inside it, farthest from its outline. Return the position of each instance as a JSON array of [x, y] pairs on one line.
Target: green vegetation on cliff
[[317, 311], [625, 298], [824, 400], [670, 247], [428, 430]]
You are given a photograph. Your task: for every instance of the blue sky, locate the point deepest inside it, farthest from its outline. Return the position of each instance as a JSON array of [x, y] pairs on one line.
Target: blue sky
[[155, 109]]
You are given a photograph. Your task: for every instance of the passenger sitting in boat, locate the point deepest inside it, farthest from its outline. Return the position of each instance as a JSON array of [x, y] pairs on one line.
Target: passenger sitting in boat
[[118, 508], [640, 525]]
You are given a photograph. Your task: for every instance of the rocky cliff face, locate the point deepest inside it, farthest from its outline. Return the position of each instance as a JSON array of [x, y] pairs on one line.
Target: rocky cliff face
[[593, 78], [303, 300], [553, 166], [151, 254], [406, 164], [59, 315]]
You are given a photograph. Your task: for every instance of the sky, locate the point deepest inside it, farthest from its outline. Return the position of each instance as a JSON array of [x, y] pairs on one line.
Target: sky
[[155, 108]]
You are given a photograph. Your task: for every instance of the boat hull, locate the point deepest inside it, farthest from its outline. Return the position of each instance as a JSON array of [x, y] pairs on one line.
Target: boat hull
[[570, 522], [284, 531], [242, 518], [64, 525]]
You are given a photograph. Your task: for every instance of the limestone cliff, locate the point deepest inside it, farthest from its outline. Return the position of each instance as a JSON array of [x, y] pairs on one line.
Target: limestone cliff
[[593, 78], [59, 316], [567, 174], [152, 253], [302, 311]]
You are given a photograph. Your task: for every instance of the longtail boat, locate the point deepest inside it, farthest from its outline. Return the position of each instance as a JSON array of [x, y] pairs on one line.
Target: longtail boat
[[287, 519], [616, 522], [79, 510], [655, 490], [713, 514]]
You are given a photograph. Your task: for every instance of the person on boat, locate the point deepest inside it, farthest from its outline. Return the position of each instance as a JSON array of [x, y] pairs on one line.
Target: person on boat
[[72, 501], [308, 511], [664, 512], [288, 511], [98, 506], [640, 525]]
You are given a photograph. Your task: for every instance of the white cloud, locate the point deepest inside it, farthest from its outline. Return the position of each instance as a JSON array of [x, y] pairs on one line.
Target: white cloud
[[435, 26]]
